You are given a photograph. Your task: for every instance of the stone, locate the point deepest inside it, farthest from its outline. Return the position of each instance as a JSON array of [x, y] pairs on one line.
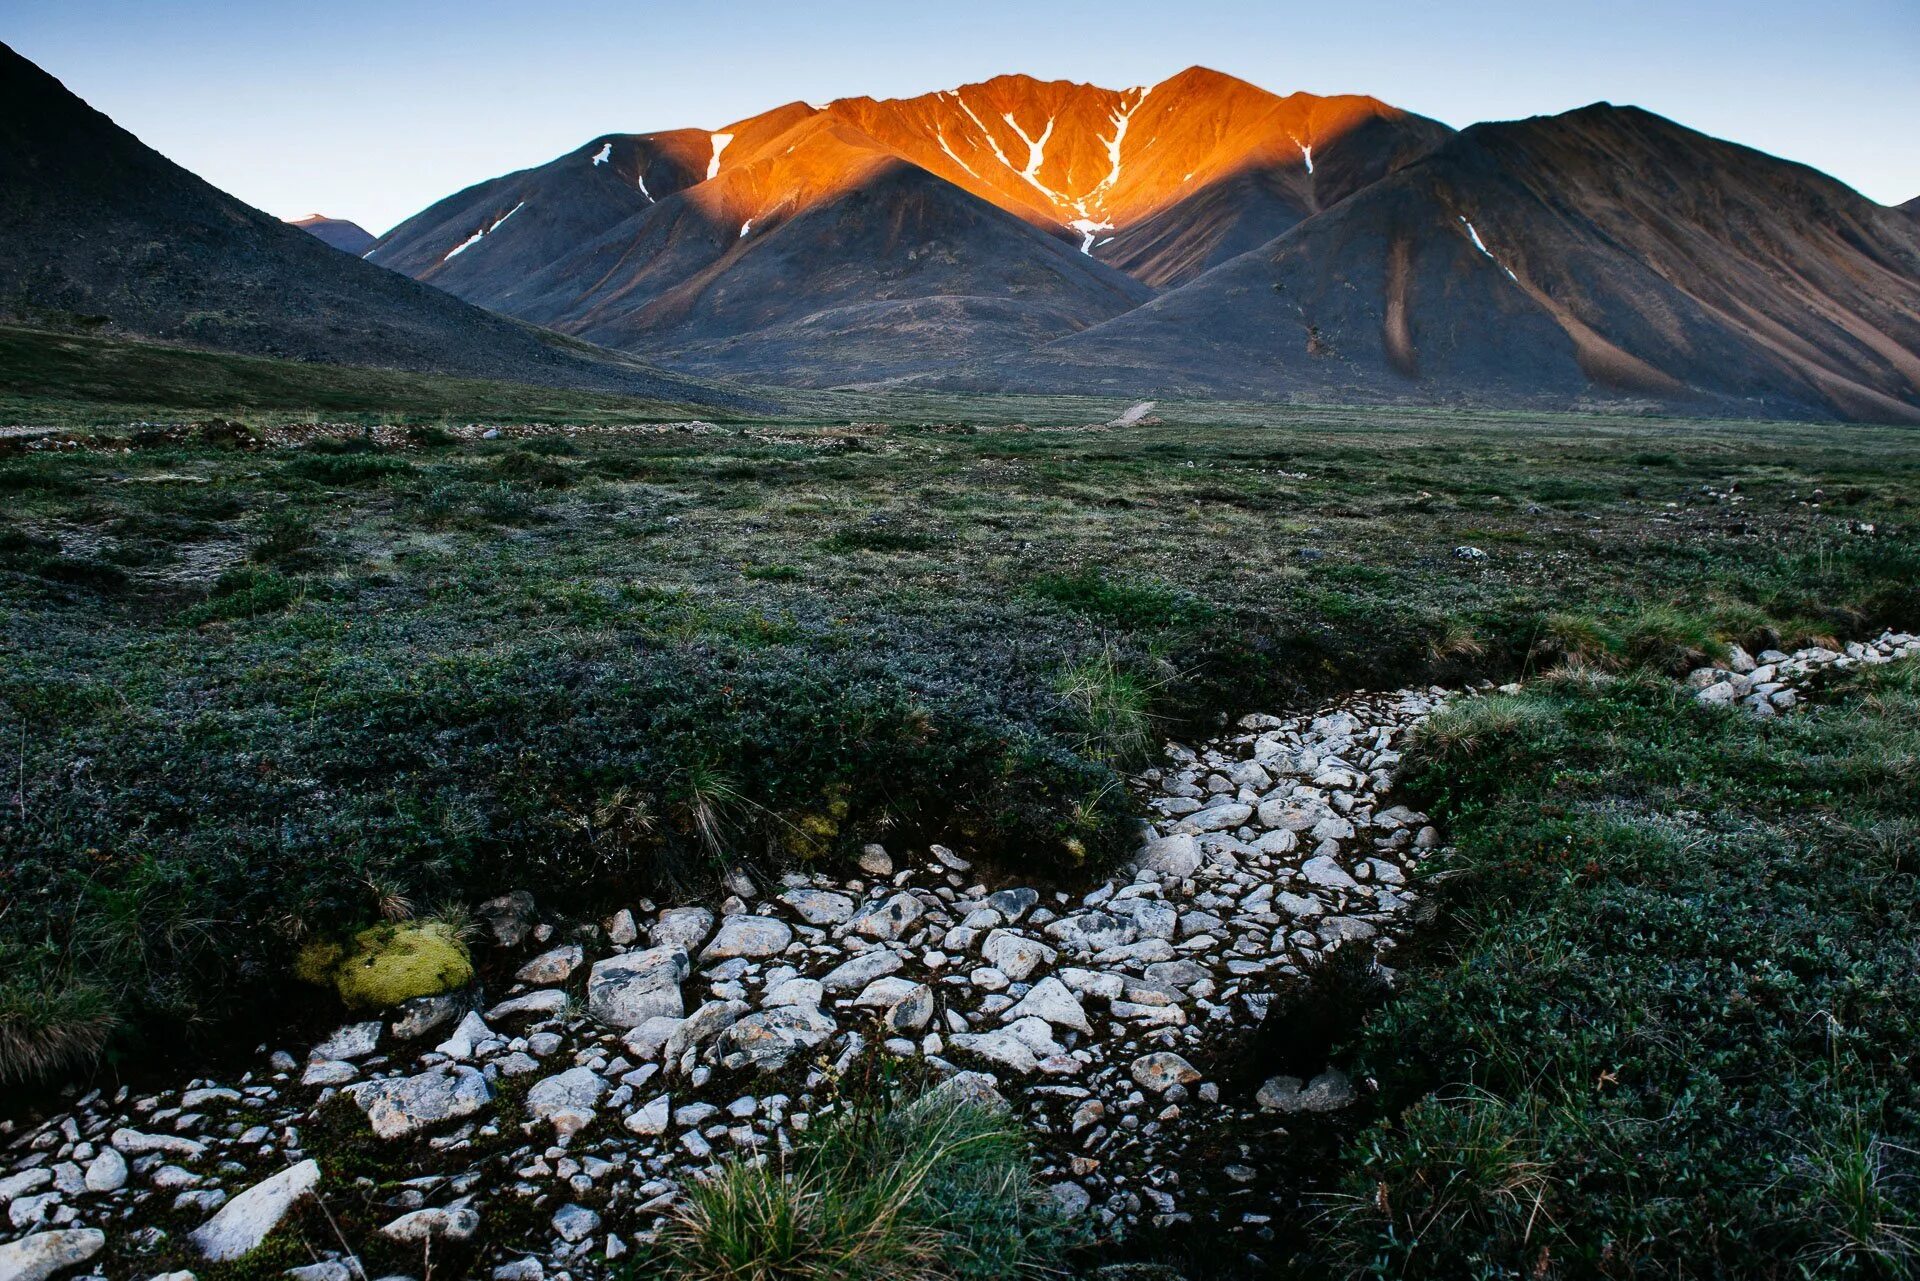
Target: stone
[[888, 918], [1071, 1199], [652, 1119], [328, 1072], [1091, 931], [325, 1270], [435, 1224], [401, 1105], [948, 859], [819, 907], [1176, 857], [795, 992], [1016, 955], [1012, 904], [472, 1031], [1327, 874], [354, 1041], [626, 990], [622, 929], [858, 971], [107, 1172], [1328, 1092], [575, 1222], [703, 1025], [239, 1227], [1215, 818], [907, 1005], [875, 861], [646, 1041], [423, 1014], [509, 917], [768, 1039], [545, 1002], [134, 1143], [527, 1269], [752, 937], [567, 1099], [912, 1011], [555, 965], [1161, 1071], [1001, 1047], [683, 927], [45, 1254], [1050, 1000]]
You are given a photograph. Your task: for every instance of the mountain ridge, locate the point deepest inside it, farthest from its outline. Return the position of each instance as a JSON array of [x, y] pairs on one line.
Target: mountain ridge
[[97, 229], [1605, 251]]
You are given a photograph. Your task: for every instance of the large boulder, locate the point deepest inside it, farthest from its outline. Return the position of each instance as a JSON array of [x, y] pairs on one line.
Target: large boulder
[[627, 990], [240, 1225], [44, 1254]]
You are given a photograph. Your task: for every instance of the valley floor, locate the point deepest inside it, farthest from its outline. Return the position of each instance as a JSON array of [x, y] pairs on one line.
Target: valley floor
[[265, 693]]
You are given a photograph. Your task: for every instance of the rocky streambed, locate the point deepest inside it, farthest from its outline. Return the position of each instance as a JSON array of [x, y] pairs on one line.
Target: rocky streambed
[[630, 1056]]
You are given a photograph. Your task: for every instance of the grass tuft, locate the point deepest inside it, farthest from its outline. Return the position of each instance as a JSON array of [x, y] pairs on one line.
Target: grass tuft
[[935, 1188]]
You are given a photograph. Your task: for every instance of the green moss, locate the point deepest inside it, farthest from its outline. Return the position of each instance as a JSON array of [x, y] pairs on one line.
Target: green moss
[[389, 964]]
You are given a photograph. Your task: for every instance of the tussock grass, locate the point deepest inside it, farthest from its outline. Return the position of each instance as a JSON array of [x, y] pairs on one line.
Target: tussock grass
[[49, 1024], [935, 1188]]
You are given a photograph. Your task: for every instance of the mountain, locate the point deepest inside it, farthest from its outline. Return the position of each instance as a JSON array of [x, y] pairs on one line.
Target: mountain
[[347, 237], [95, 227], [1604, 253], [1911, 207], [868, 240]]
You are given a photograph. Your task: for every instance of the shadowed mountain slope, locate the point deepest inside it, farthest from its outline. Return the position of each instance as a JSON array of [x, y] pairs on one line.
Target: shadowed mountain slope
[[97, 228], [1606, 252], [347, 237]]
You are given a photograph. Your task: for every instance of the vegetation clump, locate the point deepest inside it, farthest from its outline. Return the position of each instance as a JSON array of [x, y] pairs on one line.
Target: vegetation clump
[[931, 1188], [1673, 987], [389, 963]]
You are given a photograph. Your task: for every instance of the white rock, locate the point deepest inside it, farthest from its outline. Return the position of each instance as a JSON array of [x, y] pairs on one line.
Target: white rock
[[889, 918], [42, 1255], [859, 971], [244, 1222], [748, 936], [556, 965], [404, 1104], [471, 1032], [652, 1119], [567, 1099], [107, 1172], [819, 907], [1049, 999], [354, 1041], [683, 927], [627, 990], [1016, 955], [434, 1224]]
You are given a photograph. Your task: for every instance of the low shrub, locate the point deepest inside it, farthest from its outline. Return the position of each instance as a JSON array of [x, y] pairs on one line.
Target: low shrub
[[1666, 1029]]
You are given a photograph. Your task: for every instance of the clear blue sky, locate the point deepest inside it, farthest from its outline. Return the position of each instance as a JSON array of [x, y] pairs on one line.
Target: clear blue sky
[[372, 109]]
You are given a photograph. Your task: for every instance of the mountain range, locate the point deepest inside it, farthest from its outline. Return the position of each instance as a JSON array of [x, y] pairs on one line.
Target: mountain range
[[1199, 236], [1203, 236], [100, 232]]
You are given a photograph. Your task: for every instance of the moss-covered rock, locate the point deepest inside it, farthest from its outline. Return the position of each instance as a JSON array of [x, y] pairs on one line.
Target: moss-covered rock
[[388, 964]]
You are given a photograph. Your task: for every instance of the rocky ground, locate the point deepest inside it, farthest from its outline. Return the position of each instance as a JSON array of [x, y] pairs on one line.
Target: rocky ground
[[546, 1130]]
